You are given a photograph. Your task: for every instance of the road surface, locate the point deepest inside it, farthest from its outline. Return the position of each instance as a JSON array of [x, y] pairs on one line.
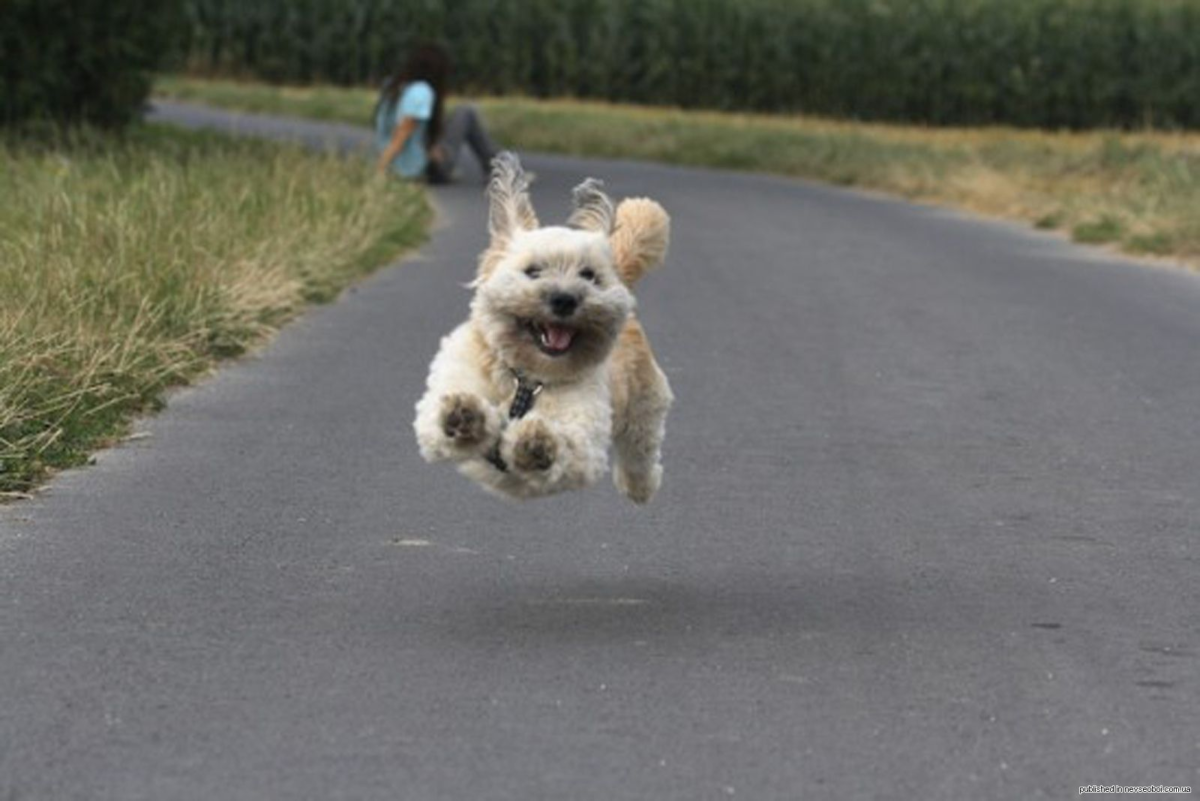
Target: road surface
[[930, 529]]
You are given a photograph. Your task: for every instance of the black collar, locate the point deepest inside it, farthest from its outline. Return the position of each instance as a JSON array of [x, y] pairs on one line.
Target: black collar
[[523, 399], [526, 393]]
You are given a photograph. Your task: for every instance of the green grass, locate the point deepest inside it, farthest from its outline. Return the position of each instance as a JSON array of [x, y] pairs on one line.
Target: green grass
[[130, 265], [1096, 232], [1048, 221], [1143, 187], [1057, 63]]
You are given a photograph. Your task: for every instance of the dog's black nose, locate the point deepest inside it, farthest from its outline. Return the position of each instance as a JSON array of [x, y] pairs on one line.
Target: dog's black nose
[[563, 304]]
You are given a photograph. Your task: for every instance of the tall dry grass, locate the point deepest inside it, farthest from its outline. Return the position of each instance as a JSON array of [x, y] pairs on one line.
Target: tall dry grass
[[127, 266]]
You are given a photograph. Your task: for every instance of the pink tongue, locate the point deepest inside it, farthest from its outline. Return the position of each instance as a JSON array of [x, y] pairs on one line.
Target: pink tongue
[[557, 337]]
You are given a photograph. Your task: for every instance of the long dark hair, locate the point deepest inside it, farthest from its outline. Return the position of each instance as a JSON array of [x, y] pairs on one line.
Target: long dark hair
[[428, 62]]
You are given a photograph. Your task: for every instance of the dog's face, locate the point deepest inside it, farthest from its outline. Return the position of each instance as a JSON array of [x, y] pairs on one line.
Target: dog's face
[[548, 300]]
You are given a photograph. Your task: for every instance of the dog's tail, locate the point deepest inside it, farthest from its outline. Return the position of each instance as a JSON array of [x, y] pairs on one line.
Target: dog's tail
[[639, 238]]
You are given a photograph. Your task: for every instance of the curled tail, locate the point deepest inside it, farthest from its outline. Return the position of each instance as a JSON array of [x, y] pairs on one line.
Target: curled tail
[[640, 237]]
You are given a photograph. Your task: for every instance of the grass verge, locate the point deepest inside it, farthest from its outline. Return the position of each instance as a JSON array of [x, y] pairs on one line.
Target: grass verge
[[1137, 191], [130, 265]]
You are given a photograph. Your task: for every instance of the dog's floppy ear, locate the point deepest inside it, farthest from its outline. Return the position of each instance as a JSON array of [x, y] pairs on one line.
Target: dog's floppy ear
[[593, 209], [639, 240], [509, 208]]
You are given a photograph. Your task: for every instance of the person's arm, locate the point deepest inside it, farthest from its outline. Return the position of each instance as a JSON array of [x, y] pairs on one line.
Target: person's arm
[[399, 137]]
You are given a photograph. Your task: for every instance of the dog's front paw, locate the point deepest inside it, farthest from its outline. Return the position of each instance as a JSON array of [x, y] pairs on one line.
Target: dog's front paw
[[464, 419], [534, 448]]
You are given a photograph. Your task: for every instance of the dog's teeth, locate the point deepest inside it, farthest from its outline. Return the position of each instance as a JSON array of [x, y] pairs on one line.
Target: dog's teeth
[[556, 337]]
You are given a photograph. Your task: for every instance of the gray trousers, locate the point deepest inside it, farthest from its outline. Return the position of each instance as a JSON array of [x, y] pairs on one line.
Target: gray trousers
[[463, 126]]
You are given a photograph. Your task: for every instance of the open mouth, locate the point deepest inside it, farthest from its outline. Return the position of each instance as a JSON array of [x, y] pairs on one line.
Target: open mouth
[[553, 339]]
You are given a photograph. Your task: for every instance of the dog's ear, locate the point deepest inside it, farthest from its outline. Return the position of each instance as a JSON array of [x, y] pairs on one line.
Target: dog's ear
[[593, 209], [510, 209], [640, 238]]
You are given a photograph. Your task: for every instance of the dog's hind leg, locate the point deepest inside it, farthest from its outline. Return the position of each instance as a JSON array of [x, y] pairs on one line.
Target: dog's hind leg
[[642, 399], [637, 471]]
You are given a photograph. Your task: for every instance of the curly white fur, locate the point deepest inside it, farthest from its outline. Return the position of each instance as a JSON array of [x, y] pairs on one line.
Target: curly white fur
[[554, 305]]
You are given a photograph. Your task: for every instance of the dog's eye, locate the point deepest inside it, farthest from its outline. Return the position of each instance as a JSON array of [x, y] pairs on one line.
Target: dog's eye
[[588, 274], [533, 271]]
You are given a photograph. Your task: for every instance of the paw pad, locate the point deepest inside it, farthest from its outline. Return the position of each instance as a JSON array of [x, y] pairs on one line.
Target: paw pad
[[535, 451], [463, 420]]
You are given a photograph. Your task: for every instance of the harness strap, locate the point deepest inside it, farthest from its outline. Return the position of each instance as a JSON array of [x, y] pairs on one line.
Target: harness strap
[[522, 402]]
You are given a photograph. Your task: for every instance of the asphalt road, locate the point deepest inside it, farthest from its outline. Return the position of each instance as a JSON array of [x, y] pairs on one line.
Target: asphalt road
[[929, 530]]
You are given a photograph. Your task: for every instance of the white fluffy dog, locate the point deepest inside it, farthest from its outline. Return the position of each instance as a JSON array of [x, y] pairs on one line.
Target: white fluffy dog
[[551, 366]]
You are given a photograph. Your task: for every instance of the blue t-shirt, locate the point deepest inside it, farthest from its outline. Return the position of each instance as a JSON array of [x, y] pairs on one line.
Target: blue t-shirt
[[416, 101]]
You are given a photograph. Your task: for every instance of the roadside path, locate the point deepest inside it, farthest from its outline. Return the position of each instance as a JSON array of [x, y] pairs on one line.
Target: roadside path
[[930, 529]]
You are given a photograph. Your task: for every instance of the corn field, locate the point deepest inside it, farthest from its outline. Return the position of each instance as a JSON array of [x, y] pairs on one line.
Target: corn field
[[1047, 63]]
